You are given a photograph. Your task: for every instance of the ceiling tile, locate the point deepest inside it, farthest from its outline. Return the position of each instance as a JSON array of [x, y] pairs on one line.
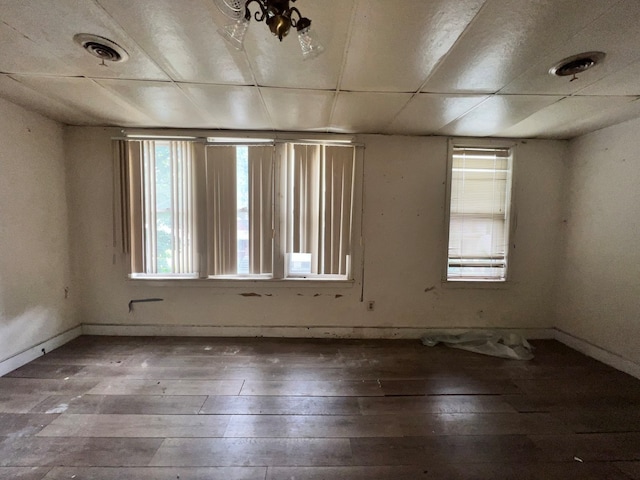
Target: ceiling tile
[[563, 116], [164, 102], [506, 38], [52, 25], [41, 103], [230, 107], [621, 82], [496, 114], [615, 33], [280, 64], [379, 53], [22, 55], [182, 37], [604, 119], [366, 112], [393, 49], [426, 113], [88, 97], [298, 110]]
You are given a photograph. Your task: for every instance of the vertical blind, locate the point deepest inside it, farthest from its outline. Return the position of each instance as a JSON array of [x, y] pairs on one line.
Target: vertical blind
[[222, 223], [222, 211], [169, 208], [319, 205], [261, 210], [193, 210], [479, 213]]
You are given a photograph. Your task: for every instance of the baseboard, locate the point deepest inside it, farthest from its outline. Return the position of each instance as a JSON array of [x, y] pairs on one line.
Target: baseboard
[[290, 331], [612, 359], [26, 356]]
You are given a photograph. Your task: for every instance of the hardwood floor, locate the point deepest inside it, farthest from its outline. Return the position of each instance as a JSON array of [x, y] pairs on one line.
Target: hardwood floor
[[275, 409]]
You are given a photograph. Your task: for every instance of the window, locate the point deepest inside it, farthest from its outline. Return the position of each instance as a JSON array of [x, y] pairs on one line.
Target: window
[[195, 209], [158, 186], [319, 209], [479, 211], [239, 210]]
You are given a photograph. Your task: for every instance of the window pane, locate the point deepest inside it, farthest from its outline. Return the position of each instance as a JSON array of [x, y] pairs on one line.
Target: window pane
[[242, 205], [239, 210], [164, 214], [232, 218], [479, 214], [169, 210], [319, 208]]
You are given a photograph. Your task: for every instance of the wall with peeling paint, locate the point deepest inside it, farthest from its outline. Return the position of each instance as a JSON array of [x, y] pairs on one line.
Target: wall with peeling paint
[[599, 281], [34, 244], [404, 235]]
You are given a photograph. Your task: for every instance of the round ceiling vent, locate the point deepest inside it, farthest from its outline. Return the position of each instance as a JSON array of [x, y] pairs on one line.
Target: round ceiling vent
[[101, 47], [576, 64]]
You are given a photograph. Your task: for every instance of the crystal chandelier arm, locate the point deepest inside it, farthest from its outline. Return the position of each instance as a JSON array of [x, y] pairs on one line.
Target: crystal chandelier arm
[[291, 11], [259, 16]]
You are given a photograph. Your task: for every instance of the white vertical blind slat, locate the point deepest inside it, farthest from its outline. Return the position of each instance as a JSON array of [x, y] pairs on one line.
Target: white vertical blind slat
[[222, 222], [149, 212], [261, 166]]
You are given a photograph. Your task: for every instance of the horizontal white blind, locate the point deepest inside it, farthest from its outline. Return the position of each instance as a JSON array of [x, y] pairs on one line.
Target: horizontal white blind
[[479, 213]]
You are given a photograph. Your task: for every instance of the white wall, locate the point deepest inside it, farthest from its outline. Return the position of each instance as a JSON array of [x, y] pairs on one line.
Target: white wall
[[404, 235], [34, 243], [599, 282]]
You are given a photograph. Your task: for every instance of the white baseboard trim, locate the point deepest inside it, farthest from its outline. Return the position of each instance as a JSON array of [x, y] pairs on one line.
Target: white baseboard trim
[[26, 356], [291, 331], [612, 359]]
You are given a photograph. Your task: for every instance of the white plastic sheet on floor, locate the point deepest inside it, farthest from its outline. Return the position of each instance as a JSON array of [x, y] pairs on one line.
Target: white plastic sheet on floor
[[497, 344]]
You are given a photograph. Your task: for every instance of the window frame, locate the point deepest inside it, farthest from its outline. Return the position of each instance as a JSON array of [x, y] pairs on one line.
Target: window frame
[[277, 278], [512, 214]]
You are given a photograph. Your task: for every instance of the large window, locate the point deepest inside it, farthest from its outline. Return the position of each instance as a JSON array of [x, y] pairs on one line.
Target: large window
[[207, 210], [479, 211]]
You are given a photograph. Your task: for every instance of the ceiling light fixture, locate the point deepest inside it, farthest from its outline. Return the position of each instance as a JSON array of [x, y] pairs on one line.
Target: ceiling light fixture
[[576, 64], [279, 17]]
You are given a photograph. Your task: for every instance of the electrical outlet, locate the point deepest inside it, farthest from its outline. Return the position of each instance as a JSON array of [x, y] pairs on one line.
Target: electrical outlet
[[371, 305]]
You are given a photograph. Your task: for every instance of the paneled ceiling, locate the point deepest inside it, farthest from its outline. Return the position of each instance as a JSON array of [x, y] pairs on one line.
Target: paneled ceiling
[[415, 67]]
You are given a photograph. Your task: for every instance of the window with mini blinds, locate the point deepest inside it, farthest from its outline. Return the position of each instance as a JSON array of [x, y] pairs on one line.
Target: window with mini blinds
[[194, 209], [479, 213]]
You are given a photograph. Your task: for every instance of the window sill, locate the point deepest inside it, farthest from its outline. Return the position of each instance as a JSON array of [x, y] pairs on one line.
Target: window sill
[[239, 282], [476, 284]]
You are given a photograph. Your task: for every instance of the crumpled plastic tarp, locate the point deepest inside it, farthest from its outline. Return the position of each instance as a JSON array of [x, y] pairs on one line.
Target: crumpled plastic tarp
[[494, 343]]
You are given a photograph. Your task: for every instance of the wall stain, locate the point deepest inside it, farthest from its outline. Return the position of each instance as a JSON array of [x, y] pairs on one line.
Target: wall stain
[[251, 294], [431, 288]]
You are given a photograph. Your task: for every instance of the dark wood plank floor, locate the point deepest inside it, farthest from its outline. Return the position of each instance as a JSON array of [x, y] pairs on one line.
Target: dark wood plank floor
[[275, 409]]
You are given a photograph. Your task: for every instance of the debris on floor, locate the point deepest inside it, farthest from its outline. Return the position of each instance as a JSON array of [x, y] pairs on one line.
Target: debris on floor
[[496, 344]]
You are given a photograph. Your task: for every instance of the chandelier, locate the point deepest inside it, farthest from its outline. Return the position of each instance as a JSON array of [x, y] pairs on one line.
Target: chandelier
[[279, 17]]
